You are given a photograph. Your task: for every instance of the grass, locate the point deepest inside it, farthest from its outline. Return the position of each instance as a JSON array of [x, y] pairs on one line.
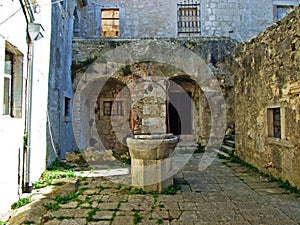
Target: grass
[[65, 218], [137, 191], [63, 199], [21, 202], [173, 189], [28, 222], [91, 214], [124, 157], [282, 184], [81, 66], [154, 194], [137, 218], [200, 148], [52, 206], [57, 170], [287, 186], [236, 159], [119, 186], [159, 221], [115, 213]]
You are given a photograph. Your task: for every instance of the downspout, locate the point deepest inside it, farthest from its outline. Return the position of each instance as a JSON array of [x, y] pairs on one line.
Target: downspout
[[27, 188], [26, 183]]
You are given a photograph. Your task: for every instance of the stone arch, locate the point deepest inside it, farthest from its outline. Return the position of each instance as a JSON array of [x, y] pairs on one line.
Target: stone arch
[[112, 114], [184, 94], [152, 51]]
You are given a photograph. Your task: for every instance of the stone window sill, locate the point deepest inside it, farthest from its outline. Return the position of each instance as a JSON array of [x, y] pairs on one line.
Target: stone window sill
[[278, 141]]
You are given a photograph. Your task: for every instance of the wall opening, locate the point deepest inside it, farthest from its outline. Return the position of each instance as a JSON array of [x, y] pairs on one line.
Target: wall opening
[[112, 115], [110, 23], [276, 122], [183, 104]]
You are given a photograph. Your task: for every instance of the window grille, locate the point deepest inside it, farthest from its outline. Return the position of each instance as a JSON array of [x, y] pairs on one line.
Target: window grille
[[113, 108], [188, 14], [274, 118], [110, 22]]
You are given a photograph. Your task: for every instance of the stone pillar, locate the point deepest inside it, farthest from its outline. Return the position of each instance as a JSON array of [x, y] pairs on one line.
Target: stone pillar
[[151, 164], [148, 104]]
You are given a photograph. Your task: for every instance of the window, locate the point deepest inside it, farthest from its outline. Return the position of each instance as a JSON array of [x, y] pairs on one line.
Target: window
[[282, 10], [8, 75], [275, 122], [113, 108], [76, 28], [110, 23], [67, 107], [13, 82], [188, 18]]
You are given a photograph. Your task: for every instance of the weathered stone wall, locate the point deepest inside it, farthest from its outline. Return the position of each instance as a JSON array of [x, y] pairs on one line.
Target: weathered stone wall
[[215, 52], [237, 19], [268, 77], [60, 84]]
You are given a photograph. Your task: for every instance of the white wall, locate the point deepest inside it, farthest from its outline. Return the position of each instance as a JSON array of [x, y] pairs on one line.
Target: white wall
[[13, 30], [11, 129], [41, 61]]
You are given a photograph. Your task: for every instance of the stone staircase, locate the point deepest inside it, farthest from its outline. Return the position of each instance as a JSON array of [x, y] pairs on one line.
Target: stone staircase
[[227, 149], [185, 147]]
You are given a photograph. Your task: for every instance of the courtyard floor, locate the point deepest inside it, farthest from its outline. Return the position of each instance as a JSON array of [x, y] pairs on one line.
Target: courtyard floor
[[224, 193]]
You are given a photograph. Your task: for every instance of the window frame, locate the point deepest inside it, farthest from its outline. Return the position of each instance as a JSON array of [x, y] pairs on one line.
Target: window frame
[[15, 77], [271, 133], [109, 19], [189, 19], [276, 4], [109, 110], [7, 91]]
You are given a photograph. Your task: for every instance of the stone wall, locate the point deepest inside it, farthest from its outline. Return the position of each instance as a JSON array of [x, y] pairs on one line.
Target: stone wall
[[237, 19], [60, 95], [267, 103], [215, 52]]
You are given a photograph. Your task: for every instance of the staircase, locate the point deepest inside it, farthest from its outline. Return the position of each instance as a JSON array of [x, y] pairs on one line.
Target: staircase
[[185, 147], [227, 149]]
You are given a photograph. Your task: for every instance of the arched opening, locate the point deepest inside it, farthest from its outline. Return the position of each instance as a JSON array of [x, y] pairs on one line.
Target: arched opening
[[112, 115], [182, 106]]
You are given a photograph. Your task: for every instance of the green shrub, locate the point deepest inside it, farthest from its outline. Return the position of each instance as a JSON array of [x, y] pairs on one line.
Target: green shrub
[[21, 202]]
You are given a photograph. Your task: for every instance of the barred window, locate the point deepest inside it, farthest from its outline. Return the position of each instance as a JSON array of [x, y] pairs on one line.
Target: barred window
[[275, 120], [188, 18], [110, 23], [113, 108]]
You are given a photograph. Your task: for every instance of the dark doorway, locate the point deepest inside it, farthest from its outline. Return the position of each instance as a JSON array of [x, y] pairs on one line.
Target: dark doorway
[[180, 116]]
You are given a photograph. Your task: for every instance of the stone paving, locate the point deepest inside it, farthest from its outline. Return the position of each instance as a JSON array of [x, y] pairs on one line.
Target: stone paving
[[225, 193]]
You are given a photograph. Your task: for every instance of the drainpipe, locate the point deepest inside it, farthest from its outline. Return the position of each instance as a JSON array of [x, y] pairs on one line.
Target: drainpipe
[[26, 182], [27, 186]]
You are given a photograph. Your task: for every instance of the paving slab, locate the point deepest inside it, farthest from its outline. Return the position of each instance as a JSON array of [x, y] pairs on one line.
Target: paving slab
[[224, 193]]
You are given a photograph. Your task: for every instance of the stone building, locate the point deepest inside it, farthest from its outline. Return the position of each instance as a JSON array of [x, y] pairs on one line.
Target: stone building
[[25, 29], [267, 104], [209, 29], [236, 19], [60, 95]]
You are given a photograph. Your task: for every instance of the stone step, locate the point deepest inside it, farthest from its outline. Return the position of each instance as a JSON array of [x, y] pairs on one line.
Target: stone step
[[184, 149], [227, 149], [222, 154], [229, 142], [186, 144]]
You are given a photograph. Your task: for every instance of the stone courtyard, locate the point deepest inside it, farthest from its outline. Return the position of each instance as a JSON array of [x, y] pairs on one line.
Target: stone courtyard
[[225, 193]]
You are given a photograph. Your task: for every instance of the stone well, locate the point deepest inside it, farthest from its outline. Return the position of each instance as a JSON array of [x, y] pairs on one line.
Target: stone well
[[151, 164]]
